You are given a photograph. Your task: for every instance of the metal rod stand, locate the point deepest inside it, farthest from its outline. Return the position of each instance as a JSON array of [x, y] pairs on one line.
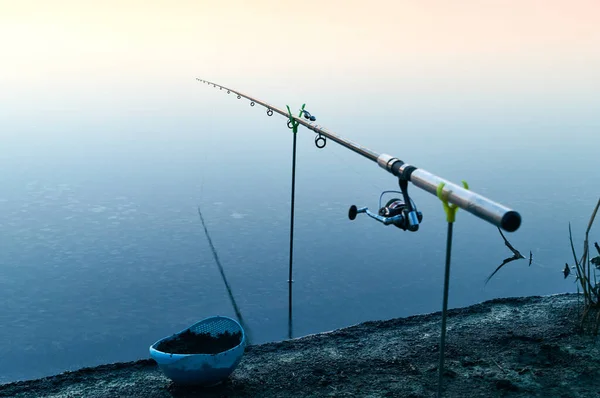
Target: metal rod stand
[[290, 331], [290, 280], [445, 310]]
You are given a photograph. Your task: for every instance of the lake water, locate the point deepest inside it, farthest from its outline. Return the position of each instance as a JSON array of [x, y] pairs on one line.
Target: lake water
[[102, 251]]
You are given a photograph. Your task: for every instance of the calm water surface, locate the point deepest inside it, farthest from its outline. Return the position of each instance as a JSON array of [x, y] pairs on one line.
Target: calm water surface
[[102, 251]]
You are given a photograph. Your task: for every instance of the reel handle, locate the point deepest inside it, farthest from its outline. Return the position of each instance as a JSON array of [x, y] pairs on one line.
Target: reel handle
[[353, 211]]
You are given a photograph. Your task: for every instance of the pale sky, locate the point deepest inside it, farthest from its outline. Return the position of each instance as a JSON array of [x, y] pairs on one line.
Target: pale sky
[[85, 50]]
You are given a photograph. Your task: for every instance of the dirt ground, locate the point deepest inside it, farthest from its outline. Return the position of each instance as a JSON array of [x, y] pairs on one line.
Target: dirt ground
[[507, 347]]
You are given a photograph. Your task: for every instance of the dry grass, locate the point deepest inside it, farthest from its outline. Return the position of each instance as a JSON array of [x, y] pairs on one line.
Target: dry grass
[[586, 269]]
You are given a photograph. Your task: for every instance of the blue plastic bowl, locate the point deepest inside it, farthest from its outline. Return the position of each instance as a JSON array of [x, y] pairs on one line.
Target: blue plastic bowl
[[202, 369]]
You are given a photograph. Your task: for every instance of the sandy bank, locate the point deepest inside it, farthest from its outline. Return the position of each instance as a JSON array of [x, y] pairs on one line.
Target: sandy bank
[[507, 347]]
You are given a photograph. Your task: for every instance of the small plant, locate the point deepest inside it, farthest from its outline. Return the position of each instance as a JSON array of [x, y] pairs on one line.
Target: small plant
[[586, 268]]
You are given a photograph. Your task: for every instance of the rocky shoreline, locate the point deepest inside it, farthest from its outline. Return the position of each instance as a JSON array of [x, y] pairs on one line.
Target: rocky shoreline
[[525, 346]]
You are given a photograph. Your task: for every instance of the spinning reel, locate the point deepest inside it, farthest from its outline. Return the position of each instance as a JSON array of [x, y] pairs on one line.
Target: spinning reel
[[402, 213]]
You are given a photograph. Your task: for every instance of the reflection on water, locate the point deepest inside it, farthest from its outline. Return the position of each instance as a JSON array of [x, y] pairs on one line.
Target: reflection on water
[[102, 252]]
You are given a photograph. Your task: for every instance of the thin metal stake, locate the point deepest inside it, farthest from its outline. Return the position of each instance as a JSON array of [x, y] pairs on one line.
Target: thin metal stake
[[290, 280], [290, 334], [445, 308]]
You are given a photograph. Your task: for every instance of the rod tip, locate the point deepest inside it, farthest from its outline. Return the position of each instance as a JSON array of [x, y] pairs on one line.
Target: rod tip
[[511, 221]]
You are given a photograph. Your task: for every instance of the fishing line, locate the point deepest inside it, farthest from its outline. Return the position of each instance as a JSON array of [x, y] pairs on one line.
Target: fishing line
[[349, 165], [229, 291], [541, 265]]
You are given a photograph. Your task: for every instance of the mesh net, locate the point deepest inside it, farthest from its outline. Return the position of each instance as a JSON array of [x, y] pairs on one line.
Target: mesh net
[[215, 326]]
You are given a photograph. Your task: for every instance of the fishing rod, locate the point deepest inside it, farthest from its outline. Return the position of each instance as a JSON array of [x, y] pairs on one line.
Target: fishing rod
[[406, 216], [401, 212]]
